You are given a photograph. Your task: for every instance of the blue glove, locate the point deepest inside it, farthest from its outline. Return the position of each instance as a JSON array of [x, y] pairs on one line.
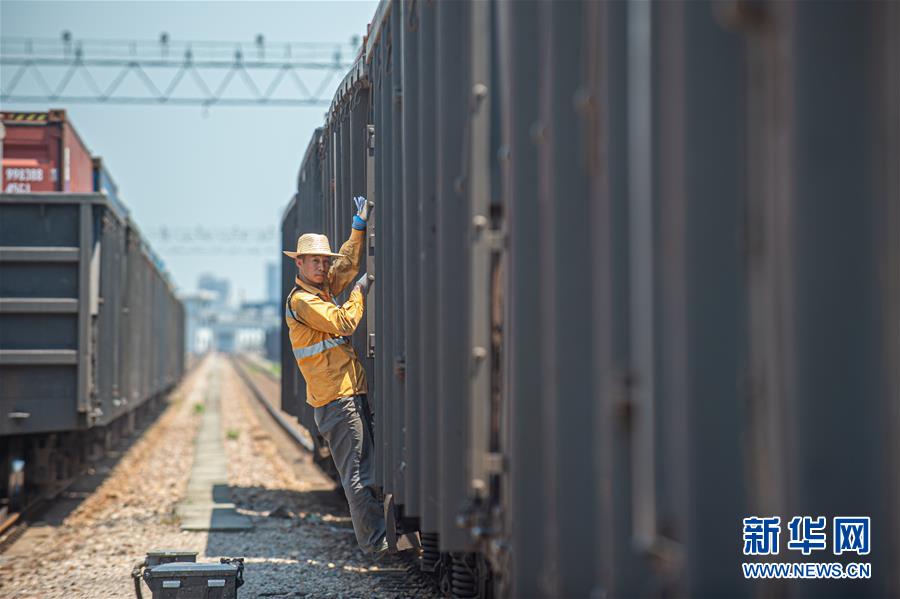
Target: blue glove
[[362, 213], [364, 282]]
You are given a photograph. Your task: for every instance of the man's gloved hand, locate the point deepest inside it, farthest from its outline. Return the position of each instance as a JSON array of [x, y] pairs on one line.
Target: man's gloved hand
[[362, 212], [364, 282]]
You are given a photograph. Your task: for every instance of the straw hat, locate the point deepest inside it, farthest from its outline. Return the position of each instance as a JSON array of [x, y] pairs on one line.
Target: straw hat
[[312, 243]]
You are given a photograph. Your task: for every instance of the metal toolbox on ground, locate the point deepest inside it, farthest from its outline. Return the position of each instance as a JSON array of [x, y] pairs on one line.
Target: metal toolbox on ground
[[189, 580]]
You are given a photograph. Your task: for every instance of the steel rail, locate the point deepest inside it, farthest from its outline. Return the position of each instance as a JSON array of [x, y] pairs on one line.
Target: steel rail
[[279, 417]]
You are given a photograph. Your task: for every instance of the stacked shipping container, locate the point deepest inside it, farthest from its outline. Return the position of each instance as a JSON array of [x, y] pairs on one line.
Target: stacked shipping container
[[43, 152]]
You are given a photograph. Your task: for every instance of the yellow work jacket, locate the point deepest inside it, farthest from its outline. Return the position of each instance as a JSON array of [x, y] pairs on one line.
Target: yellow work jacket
[[320, 329]]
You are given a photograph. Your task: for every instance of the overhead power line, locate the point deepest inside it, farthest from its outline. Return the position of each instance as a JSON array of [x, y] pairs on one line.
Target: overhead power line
[[161, 72], [202, 240]]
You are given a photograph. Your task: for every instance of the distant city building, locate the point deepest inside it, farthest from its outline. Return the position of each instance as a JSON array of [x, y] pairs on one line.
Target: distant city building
[[197, 331], [273, 282], [217, 285], [213, 324], [244, 330]]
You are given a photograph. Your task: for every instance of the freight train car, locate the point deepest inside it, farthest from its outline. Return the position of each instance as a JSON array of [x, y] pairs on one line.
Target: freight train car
[[104, 183], [637, 279], [90, 330]]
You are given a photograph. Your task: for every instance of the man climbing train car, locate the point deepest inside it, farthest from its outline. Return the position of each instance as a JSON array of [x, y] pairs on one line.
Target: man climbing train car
[[335, 379]]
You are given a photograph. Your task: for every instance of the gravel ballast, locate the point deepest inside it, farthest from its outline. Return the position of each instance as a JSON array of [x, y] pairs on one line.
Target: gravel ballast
[[301, 545]]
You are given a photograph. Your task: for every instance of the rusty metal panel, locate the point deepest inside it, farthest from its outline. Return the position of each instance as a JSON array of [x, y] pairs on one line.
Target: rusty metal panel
[[358, 167], [697, 300], [398, 201], [411, 268], [343, 201], [109, 323], [823, 196], [87, 248], [453, 285], [371, 231], [705, 163], [517, 28], [332, 164], [381, 105], [133, 259], [427, 206], [482, 238], [384, 259], [567, 360], [333, 204]]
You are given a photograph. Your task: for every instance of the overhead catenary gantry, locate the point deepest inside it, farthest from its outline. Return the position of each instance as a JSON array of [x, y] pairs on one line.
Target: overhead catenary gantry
[[168, 72]]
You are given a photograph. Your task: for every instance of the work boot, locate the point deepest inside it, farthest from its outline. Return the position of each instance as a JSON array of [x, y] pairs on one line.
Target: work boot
[[398, 538], [381, 550]]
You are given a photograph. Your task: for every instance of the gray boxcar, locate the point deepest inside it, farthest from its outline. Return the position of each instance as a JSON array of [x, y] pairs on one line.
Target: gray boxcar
[[637, 279], [90, 328]]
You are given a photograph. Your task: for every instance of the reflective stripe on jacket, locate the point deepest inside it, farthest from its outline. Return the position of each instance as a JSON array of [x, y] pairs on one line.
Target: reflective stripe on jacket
[[319, 329]]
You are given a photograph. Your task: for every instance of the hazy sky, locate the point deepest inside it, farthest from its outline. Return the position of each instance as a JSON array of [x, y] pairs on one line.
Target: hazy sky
[[180, 167]]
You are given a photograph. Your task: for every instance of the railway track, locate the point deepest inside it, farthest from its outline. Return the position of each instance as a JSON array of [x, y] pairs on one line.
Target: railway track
[[404, 576], [261, 388], [14, 524]]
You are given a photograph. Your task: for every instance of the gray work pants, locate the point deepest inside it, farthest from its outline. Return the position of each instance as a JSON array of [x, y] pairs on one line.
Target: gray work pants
[[346, 425]]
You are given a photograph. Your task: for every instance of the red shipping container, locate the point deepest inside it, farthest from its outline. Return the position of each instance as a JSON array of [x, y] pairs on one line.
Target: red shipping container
[[42, 152]]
